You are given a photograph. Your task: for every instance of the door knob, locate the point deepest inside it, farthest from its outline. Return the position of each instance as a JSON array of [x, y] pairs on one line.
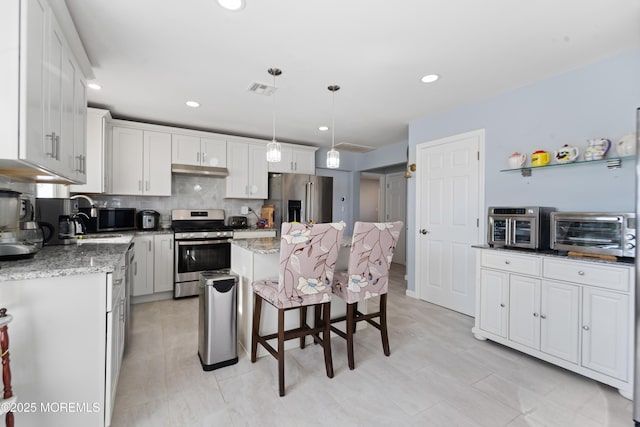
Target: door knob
[[423, 231]]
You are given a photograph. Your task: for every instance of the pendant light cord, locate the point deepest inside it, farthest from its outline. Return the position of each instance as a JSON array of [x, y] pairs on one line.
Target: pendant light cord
[[274, 106], [333, 119]]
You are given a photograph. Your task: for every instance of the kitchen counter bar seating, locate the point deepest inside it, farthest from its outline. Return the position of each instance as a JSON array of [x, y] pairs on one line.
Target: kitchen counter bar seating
[[367, 276], [308, 255]]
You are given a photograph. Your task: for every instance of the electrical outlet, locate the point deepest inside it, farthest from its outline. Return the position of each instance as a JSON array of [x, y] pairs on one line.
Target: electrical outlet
[[244, 210]]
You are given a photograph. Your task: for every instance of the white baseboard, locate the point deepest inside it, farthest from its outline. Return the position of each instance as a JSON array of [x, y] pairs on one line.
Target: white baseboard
[[411, 294]]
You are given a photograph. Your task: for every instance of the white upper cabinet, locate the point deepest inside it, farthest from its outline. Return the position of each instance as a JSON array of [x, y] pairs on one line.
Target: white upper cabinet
[[45, 94], [197, 151], [295, 159], [141, 162], [95, 162], [248, 170]]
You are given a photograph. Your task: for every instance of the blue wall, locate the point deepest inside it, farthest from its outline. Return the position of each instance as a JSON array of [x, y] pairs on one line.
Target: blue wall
[[597, 100]]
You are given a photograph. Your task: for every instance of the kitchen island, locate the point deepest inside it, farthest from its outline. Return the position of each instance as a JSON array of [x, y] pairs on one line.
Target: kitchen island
[[257, 259], [66, 338]]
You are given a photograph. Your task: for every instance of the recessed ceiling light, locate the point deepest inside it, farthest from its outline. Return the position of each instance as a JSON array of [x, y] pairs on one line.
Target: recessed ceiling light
[[232, 4], [430, 78], [323, 128], [193, 104], [94, 86]]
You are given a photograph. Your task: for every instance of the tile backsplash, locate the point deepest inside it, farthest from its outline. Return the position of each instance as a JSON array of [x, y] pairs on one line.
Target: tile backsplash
[[187, 192]]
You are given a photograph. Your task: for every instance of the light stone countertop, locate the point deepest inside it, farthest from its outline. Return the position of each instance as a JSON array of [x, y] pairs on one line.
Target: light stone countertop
[[65, 260], [271, 245]]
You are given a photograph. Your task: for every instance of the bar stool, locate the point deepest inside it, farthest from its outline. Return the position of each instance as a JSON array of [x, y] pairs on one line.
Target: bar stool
[[308, 255], [8, 399], [367, 276]]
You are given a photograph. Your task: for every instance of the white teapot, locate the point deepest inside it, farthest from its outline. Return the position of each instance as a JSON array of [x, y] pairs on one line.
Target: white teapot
[[626, 146], [517, 160], [597, 148], [566, 154]]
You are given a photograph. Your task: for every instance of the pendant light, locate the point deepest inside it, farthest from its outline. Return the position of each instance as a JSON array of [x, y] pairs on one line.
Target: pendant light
[[274, 153], [333, 157]]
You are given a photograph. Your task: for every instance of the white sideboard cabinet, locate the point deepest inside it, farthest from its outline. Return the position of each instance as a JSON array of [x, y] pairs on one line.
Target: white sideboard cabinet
[[573, 313]]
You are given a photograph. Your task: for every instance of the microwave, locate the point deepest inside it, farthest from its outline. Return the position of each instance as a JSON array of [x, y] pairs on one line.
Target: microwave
[[599, 233], [519, 227], [110, 219]]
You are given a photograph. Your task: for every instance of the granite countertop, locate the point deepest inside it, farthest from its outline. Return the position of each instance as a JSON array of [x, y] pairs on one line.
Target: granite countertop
[[65, 260], [556, 254], [271, 245]]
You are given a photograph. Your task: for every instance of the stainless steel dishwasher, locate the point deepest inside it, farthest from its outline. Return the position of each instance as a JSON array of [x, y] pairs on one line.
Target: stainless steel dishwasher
[[218, 319]]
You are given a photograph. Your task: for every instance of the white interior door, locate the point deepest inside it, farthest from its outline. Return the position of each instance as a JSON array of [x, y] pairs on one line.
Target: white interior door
[[449, 195], [396, 210]]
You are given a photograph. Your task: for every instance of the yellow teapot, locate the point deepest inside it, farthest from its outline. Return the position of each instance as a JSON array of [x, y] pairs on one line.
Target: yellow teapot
[[540, 158]]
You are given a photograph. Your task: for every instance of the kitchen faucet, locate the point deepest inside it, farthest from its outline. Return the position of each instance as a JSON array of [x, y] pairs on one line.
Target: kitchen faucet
[[94, 211]]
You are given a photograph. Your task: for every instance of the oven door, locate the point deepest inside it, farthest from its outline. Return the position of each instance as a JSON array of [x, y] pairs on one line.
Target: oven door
[[195, 256], [596, 234], [513, 231]]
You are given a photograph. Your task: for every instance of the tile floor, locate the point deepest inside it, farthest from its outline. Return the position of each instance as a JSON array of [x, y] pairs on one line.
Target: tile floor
[[437, 375]]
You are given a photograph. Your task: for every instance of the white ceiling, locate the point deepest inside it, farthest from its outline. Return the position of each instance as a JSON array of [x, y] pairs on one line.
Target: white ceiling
[[151, 56]]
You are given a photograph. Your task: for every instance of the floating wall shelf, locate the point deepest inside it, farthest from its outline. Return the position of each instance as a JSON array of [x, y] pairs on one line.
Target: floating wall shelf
[[611, 162]]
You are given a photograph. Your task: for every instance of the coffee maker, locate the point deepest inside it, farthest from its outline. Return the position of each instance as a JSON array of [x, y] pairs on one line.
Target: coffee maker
[[63, 216], [12, 243]]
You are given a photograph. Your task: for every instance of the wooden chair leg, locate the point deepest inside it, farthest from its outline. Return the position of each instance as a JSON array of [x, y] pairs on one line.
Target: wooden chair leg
[[281, 351], [350, 328], [317, 321], [255, 330], [383, 324], [326, 338], [303, 322]]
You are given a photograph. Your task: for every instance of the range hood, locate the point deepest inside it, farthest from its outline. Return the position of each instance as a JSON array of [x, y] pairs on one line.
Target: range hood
[[199, 170]]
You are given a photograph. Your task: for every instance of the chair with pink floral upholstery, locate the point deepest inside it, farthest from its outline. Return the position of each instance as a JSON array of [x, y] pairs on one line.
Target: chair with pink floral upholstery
[[367, 276], [308, 254]]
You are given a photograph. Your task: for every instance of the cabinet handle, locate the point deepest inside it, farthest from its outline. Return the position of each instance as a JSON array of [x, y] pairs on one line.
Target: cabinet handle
[[149, 245], [585, 327], [542, 316], [57, 155], [52, 137], [135, 268], [502, 305], [204, 158], [198, 157], [581, 273], [139, 185], [84, 164], [535, 314], [506, 261], [79, 167]]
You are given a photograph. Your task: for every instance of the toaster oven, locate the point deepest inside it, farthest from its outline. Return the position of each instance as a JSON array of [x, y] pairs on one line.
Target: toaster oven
[[598, 233], [519, 227]]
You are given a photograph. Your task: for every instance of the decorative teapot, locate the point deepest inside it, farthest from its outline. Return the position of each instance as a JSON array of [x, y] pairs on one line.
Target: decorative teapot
[[566, 154], [540, 158], [517, 160], [626, 146], [597, 148]]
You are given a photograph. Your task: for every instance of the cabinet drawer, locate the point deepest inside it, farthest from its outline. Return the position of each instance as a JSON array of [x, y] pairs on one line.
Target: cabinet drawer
[[593, 274], [503, 260]]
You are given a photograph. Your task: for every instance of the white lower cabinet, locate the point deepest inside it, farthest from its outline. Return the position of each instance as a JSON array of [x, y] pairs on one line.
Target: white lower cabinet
[[153, 264], [576, 314], [163, 263]]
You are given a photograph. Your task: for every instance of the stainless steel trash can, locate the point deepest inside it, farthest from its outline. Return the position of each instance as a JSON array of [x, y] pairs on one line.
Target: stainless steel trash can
[[218, 319]]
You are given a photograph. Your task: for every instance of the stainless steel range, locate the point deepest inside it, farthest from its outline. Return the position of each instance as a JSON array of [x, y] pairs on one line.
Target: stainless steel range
[[202, 243]]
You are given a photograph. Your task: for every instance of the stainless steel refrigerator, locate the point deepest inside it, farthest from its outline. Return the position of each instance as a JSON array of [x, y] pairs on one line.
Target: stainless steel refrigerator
[[300, 198]]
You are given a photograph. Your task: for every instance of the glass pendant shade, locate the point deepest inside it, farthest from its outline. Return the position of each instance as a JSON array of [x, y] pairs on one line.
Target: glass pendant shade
[[333, 159], [274, 154], [333, 156]]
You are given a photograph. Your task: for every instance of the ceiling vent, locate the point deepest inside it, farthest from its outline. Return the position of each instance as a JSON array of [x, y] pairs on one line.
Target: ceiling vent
[[354, 148], [261, 88]]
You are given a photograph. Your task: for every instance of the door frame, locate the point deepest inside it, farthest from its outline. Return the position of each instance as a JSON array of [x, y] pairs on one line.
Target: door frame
[[480, 134]]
